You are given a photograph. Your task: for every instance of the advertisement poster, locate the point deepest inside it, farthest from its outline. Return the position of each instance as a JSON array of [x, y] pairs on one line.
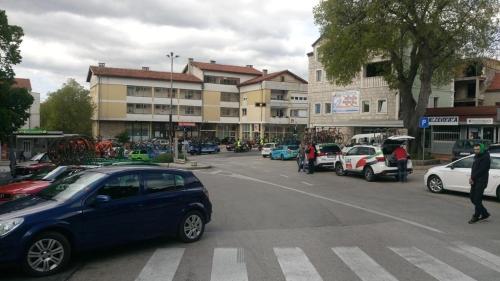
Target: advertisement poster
[[345, 102]]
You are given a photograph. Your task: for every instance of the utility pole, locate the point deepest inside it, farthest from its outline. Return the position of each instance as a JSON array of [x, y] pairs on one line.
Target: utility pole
[[171, 56]]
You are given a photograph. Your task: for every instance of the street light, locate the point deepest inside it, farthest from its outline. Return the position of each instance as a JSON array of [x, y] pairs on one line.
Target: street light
[[172, 56]]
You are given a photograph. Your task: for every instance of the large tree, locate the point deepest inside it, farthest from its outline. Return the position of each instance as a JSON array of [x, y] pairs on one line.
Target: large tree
[[68, 109], [14, 102], [422, 39]]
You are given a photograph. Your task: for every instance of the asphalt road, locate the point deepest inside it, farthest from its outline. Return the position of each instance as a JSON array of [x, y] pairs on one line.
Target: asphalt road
[[272, 223]]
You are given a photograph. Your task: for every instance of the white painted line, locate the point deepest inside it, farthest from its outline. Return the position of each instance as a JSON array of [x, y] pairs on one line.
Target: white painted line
[[296, 265], [162, 265], [285, 176], [360, 263], [229, 265], [434, 267], [306, 183], [478, 255], [215, 172], [340, 203]]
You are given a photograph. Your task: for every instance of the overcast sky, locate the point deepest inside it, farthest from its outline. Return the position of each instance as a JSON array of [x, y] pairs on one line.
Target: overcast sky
[[62, 38]]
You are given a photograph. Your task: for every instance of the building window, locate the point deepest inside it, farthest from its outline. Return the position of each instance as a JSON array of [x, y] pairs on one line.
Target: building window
[[136, 91], [382, 106], [328, 108], [229, 112], [319, 74], [282, 78], [165, 93], [436, 102], [378, 68], [229, 97], [244, 112], [365, 106], [139, 108], [317, 108], [221, 80]]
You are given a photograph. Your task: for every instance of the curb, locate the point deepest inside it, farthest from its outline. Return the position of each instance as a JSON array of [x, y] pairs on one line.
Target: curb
[[185, 167]]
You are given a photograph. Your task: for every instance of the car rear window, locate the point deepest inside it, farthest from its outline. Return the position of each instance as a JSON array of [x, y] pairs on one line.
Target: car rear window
[[330, 149]]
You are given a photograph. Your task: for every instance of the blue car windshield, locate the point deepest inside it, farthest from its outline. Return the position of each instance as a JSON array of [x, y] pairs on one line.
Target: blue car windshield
[[64, 189]]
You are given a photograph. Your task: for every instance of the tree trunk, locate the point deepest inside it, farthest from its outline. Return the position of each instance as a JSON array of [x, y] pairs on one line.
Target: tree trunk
[[410, 119], [426, 73], [11, 143]]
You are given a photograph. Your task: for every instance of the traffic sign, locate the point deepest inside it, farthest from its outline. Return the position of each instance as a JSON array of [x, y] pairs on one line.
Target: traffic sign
[[423, 122]]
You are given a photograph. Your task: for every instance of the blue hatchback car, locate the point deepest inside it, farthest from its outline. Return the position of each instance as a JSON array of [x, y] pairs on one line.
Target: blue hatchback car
[[98, 208], [284, 152]]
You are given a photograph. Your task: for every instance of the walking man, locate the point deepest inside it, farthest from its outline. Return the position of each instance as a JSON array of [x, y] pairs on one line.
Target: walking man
[[479, 181], [311, 157], [402, 159], [301, 157]]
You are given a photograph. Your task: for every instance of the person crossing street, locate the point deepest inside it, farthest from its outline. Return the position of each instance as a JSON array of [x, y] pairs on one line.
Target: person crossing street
[[479, 181]]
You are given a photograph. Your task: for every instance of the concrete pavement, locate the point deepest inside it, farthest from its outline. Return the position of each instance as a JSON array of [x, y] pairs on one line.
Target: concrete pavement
[[272, 223]]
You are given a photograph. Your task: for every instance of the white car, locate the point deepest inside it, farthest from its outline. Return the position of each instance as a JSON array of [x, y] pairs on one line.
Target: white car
[[372, 160], [455, 176], [267, 148], [327, 155]]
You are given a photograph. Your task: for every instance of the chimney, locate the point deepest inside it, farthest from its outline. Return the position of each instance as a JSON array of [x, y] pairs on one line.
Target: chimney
[[212, 61], [102, 64], [264, 71], [145, 68], [190, 60], [249, 65]]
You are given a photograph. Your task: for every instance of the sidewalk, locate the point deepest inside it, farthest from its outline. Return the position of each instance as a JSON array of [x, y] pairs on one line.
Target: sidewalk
[[187, 166]]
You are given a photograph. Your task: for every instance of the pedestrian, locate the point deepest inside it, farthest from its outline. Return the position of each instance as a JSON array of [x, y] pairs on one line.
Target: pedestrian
[[311, 157], [301, 157], [479, 181], [401, 157]]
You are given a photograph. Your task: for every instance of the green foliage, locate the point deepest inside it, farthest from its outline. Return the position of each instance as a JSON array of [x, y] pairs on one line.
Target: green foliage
[[14, 102], [68, 109], [10, 40], [164, 158], [123, 137]]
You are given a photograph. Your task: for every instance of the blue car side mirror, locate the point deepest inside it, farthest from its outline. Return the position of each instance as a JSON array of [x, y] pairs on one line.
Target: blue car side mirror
[[101, 199]]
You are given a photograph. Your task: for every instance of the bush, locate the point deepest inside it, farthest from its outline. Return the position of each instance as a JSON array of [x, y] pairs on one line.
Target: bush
[[164, 158]]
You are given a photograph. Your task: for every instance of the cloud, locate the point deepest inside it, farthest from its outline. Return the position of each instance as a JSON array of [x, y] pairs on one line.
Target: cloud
[[62, 38]]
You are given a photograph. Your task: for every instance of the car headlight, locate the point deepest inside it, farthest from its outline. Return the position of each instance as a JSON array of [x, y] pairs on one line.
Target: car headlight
[[19, 195], [7, 226]]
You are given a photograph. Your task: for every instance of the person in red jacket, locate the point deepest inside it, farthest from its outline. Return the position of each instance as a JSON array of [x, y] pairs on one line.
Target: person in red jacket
[[311, 157], [402, 159]]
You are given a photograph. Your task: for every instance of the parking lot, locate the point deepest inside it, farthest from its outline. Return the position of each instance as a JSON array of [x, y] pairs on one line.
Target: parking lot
[[272, 223]]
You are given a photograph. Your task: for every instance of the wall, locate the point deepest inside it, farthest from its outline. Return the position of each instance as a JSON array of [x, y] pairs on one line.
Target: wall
[[211, 106]]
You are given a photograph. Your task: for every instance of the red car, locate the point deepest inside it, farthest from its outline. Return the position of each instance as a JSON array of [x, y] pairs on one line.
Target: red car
[[24, 188], [38, 163]]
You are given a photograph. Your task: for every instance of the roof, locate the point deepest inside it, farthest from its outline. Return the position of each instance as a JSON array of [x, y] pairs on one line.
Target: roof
[[317, 40], [271, 76], [495, 84], [22, 83], [141, 74], [226, 68]]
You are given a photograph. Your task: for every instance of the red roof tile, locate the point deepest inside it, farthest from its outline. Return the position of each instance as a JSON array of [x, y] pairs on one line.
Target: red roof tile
[[495, 84], [141, 74], [270, 76], [22, 83], [226, 68]]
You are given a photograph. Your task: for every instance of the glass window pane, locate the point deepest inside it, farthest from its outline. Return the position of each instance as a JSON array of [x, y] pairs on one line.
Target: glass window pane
[[121, 187]]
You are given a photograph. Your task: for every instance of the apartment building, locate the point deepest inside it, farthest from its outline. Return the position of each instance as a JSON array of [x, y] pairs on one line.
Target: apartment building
[[140, 102], [366, 105], [221, 96], [206, 101], [273, 106]]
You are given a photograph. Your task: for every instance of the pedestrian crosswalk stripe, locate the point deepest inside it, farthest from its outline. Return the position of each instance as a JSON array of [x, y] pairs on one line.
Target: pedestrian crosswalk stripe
[[162, 265], [360, 263], [434, 267], [296, 265], [478, 255], [229, 265]]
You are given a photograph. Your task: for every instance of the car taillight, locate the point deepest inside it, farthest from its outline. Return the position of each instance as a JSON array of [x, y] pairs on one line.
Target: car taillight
[[380, 158]]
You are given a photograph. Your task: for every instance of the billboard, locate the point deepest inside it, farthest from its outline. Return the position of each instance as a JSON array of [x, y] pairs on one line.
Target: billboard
[[345, 102]]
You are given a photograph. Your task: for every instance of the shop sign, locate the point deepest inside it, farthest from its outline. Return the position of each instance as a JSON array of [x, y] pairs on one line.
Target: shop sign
[[479, 121], [31, 132], [345, 102], [187, 124], [443, 120]]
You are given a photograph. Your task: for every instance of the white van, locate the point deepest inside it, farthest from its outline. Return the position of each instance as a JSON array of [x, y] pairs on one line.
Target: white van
[[366, 139]]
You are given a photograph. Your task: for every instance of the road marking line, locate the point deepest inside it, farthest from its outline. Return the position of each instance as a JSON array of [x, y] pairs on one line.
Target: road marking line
[[360, 263], [162, 265], [434, 267], [306, 183], [229, 265], [215, 172], [340, 203], [478, 255], [296, 265], [285, 176]]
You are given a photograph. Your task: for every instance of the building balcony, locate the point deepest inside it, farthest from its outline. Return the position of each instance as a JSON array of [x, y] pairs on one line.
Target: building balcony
[[230, 104], [279, 120], [299, 120], [373, 82], [279, 103], [229, 119]]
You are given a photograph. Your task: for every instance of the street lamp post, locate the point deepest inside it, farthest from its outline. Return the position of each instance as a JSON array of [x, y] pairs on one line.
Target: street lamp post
[[172, 56]]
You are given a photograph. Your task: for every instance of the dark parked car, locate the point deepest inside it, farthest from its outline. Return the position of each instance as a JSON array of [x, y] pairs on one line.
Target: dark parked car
[[463, 148], [494, 148], [204, 148], [98, 208]]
